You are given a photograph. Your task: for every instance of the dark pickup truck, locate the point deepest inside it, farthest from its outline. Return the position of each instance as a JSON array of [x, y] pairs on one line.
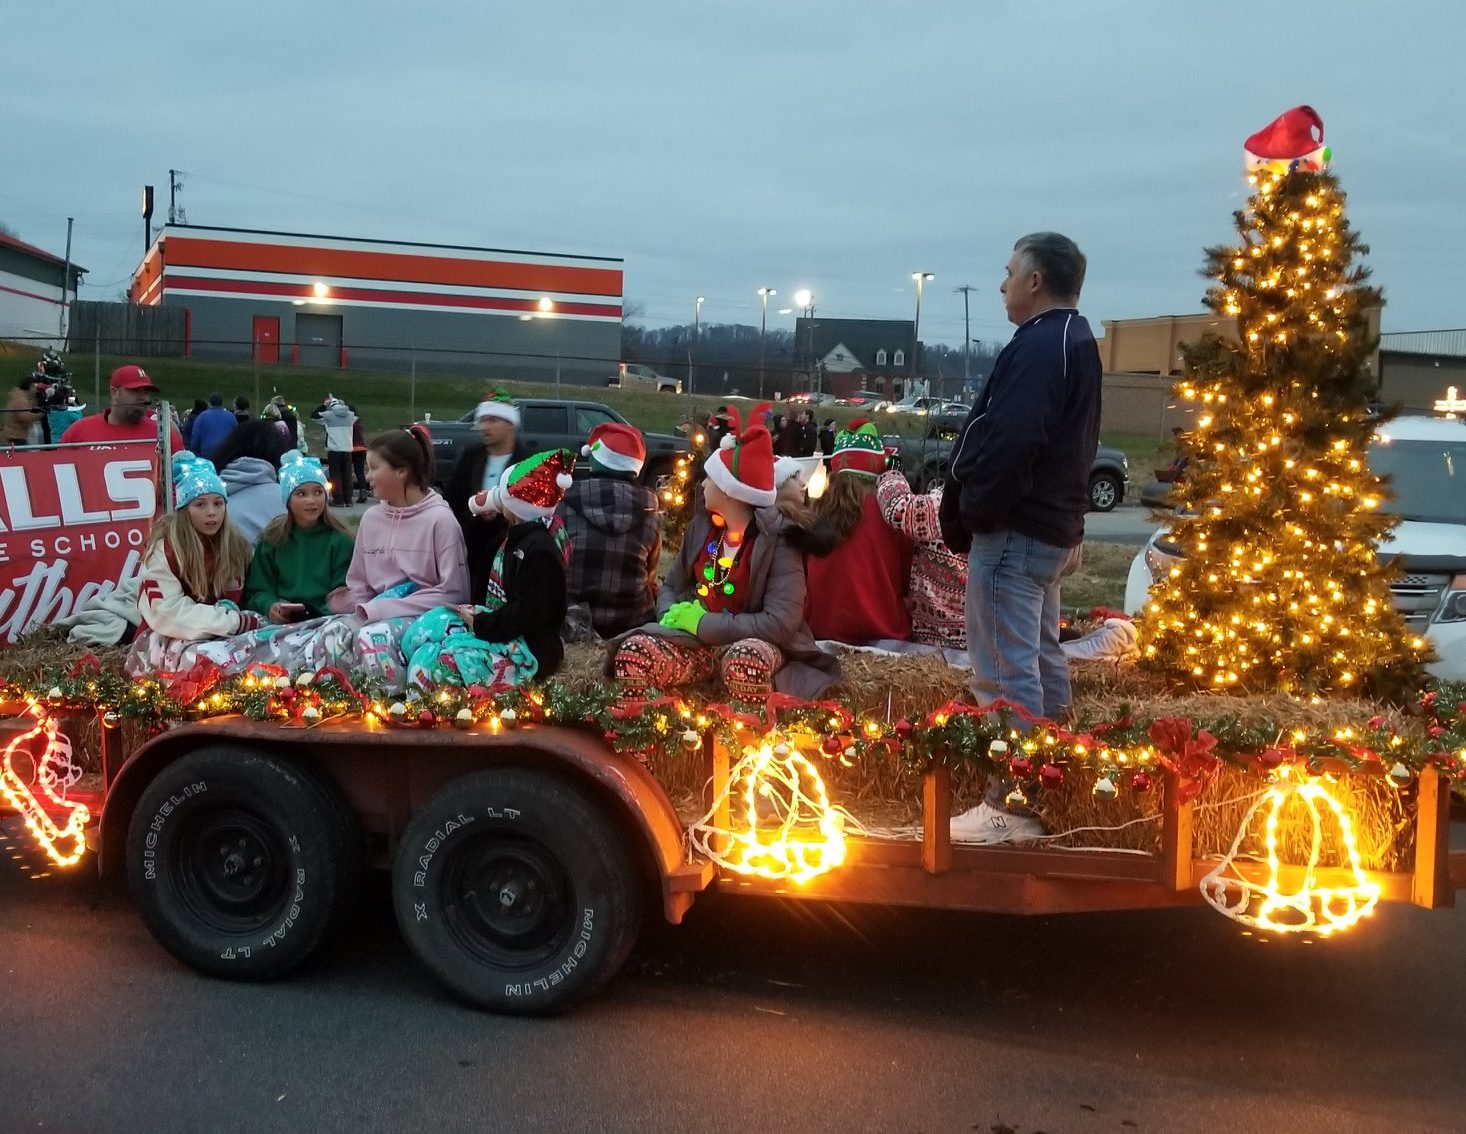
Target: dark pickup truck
[[550, 423], [924, 460]]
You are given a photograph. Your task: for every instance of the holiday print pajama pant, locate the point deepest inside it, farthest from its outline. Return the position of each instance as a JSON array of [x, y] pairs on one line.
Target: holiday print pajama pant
[[652, 661]]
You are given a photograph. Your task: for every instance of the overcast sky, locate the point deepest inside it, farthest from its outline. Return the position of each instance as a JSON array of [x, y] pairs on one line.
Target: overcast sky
[[719, 147]]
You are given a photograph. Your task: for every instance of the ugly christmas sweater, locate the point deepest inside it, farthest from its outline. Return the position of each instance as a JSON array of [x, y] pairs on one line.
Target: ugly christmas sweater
[[938, 593]]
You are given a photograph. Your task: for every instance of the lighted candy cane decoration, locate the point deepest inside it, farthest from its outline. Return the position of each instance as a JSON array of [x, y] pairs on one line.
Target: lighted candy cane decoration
[[782, 843], [55, 772], [1312, 908]]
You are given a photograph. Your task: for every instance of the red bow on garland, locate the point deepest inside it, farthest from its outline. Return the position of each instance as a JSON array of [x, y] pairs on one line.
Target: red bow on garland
[[1190, 757]]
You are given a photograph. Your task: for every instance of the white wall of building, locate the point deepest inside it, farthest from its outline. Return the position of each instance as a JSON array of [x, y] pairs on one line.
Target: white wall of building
[[29, 311]]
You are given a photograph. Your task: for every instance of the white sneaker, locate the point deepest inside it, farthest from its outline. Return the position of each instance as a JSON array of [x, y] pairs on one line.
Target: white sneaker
[[987, 824]]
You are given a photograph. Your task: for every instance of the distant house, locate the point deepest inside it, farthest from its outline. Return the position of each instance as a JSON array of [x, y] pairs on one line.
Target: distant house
[[843, 356], [34, 290]]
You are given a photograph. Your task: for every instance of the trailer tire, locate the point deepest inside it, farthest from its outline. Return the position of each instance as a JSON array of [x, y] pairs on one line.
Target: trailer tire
[[517, 891], [240, 862]]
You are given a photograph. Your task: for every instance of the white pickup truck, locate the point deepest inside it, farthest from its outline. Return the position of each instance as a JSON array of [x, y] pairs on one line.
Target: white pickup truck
[[632, 375], [1425, 459]]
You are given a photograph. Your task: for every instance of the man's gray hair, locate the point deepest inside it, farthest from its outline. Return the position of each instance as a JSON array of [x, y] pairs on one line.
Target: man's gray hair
[[1057, 259]]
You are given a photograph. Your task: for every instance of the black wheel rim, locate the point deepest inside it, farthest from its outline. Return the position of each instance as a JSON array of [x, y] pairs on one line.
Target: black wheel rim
[[231, 868], [507, 901]]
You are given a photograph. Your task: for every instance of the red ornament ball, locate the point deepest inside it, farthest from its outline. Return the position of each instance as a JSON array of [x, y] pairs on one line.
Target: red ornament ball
[[1140, 783], [1051, 775], [426, 718], [1021, 766], [1270, 757], [903, 727], [831, 746]]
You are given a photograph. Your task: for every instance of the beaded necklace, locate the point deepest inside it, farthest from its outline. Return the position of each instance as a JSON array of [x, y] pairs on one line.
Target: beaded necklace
[[722, 555]]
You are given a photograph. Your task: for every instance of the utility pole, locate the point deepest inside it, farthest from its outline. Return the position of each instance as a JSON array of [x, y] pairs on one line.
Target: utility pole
[[65, 280], [175, 186], [966, 289]]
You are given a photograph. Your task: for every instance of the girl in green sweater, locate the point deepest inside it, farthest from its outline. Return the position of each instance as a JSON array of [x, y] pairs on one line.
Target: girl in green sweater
[[302, 556]]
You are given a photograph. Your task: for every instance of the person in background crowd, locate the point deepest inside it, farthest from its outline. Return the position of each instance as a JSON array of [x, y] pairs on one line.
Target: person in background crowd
[[192, 576], [1016, 495], [292, 422], [478, 470], [248, 461], [211, 427], [241, 409], [936, 596], [799, 438], [303, 555], [358, 460], [271, 413], [827, 436], [733, 601], [857, 589], [720, 422], [615, 531], [185, 426], [130, 416], [21, 411], [337, 418]]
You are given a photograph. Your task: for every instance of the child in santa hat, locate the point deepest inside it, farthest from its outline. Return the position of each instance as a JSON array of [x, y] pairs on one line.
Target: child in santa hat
[[732, 602], [857, 588], [515, 634]]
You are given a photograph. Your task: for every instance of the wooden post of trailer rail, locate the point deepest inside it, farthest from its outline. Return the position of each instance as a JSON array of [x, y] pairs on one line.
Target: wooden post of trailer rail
[[1430, 884], [718, 785], [1175, 837], [936, 820]]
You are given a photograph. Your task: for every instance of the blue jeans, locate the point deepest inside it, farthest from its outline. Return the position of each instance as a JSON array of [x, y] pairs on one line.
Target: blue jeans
[[1013, 621]]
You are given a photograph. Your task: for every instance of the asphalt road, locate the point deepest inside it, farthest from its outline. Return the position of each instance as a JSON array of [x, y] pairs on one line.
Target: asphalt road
[[1126, 524], [753, 1016]]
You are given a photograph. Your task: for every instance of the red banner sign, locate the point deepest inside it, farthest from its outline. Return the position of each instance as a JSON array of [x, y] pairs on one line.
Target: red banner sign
[[73, 526]]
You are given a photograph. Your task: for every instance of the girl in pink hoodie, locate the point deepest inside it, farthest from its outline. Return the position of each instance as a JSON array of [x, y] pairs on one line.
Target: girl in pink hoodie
[[409, 557]]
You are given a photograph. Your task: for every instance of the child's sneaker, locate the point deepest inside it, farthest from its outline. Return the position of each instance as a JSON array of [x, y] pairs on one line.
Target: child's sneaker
[[987, 824]]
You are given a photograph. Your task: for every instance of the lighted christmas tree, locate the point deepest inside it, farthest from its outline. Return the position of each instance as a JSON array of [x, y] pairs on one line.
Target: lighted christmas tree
[[1279, 587]]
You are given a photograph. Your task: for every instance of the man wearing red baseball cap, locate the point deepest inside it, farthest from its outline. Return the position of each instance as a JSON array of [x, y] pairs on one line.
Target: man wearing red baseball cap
[[130, 416]]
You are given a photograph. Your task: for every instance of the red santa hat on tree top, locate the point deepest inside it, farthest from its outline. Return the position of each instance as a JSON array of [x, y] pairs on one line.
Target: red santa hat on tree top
[[1292, 140], [613, 447], [743, 465]]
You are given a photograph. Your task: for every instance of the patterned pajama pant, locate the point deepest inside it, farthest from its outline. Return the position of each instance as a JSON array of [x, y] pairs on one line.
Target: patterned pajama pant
[[651, 661]]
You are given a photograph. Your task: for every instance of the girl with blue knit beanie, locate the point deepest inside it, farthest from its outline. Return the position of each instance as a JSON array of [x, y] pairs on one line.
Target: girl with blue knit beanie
[[302, 555], [192, 576]]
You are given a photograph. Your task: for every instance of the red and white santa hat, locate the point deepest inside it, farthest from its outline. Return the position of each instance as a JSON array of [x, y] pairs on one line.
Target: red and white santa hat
[[1292, 140], [613, 447], [743, 465]]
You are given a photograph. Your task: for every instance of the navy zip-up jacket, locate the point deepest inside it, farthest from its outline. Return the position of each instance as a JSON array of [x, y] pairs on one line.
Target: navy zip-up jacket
[[1023, 458]]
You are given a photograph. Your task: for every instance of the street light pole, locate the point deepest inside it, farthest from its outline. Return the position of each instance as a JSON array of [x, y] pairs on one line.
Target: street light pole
[[763, 333], [805, 298], [966, 289], [696, 340], [920, 278]]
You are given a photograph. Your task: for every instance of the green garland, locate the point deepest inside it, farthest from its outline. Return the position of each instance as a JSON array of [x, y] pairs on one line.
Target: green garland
[[956, 736]]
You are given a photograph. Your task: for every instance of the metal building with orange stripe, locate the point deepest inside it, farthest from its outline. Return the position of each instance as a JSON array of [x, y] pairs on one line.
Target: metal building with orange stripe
[[329, 301]]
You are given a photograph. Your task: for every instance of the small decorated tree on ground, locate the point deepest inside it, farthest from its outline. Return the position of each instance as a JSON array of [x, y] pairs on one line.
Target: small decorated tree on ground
[[1279, 587]]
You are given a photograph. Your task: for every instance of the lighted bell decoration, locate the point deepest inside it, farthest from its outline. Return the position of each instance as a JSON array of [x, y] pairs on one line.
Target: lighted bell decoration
[[111, 719], [691, 739], [1016, 798]]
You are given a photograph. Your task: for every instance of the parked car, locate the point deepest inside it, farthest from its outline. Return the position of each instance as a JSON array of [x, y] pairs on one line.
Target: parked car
[[633, 375], [811, 398], [865, 399], [549, 423], [1425, 459], [924, 460]]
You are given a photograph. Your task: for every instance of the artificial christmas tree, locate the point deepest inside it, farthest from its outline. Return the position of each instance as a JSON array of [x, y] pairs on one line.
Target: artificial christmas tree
[[1279, 587]]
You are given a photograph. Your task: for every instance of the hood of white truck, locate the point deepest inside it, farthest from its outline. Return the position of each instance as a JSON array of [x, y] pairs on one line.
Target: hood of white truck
[[1416, 539]]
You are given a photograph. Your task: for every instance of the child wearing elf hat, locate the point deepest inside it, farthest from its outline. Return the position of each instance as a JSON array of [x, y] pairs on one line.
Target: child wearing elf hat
[[732, 602], [303, 554], [515, 634], [477, 471], [615, 531], [857, 588], [192, 574]]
